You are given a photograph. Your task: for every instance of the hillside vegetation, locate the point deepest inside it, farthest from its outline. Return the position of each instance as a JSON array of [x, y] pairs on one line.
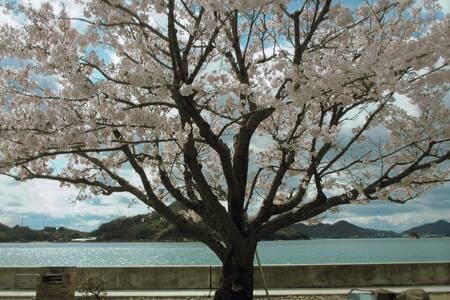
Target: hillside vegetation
[[155, 228], [152, 227], [50, 234], [439, 228]]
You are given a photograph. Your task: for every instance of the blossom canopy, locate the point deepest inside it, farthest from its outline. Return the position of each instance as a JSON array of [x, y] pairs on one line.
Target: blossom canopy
[[252, 115]]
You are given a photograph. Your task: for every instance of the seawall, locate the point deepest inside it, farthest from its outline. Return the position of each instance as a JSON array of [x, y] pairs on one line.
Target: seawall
[[277, 276]]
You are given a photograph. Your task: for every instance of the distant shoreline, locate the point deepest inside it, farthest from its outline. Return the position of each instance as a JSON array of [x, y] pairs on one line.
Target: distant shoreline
[[153, 228], [174, 241]]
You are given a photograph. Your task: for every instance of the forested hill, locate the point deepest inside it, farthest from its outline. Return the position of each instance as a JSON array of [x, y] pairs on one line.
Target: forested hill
[[439, 228], [152, 227], [49, 234], [342, 230]]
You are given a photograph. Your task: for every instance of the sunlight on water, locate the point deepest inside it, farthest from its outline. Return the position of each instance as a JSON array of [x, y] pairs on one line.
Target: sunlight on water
[[273, 252]]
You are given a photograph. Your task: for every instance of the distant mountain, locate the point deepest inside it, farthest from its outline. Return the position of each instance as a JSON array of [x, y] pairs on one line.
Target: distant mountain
[[50, 234], [153, 227], [149, 227], [439, 228], [341, 230], [287, 233]]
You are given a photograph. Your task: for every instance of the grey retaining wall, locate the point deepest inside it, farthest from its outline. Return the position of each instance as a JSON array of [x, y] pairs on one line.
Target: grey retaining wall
[[278, 276]]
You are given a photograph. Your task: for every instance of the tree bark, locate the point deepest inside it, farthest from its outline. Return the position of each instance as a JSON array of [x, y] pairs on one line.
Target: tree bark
[[237, 274]]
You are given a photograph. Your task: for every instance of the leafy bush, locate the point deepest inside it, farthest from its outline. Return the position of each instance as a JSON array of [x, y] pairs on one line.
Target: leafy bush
[[93, 286]]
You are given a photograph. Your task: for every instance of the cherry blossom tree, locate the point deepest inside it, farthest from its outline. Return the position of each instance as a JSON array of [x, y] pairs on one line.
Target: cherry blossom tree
[[252, 115]]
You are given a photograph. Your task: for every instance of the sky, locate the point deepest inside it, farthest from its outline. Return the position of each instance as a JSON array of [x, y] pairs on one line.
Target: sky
[[40, 203]]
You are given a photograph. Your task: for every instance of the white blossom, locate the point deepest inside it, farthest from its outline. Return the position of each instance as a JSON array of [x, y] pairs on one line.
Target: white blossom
[[186, 90]]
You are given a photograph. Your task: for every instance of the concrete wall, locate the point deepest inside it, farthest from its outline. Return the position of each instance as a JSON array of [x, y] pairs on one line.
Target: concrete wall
[[278, 276]]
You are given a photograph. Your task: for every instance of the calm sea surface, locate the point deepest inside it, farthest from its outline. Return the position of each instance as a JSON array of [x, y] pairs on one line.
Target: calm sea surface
[[273, 252]]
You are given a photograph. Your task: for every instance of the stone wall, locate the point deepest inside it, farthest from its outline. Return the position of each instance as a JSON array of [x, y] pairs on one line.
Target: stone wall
[[278, 276], [56, 283]]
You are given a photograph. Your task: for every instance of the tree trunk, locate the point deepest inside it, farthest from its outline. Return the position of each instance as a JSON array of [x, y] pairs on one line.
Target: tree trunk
[[237, 275]]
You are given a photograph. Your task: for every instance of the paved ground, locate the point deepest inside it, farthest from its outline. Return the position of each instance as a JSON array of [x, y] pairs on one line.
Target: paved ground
[[441, 292]]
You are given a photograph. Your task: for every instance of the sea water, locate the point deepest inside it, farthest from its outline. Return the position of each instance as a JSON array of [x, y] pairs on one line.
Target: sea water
[[320, 251]]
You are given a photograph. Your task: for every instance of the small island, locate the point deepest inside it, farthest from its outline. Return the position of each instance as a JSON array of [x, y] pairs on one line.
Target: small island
[[414, 235]]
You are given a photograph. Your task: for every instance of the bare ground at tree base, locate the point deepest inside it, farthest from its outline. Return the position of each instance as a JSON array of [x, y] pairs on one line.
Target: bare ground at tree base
[[441, 296], [436, 296], [325, 297]]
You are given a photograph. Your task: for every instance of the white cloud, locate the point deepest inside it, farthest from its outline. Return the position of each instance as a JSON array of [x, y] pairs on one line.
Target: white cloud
[[405, 103], [445, 6], [48, 198], [73, 8], [9, 220], [429, 208], [11, 20], [399, 221]]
